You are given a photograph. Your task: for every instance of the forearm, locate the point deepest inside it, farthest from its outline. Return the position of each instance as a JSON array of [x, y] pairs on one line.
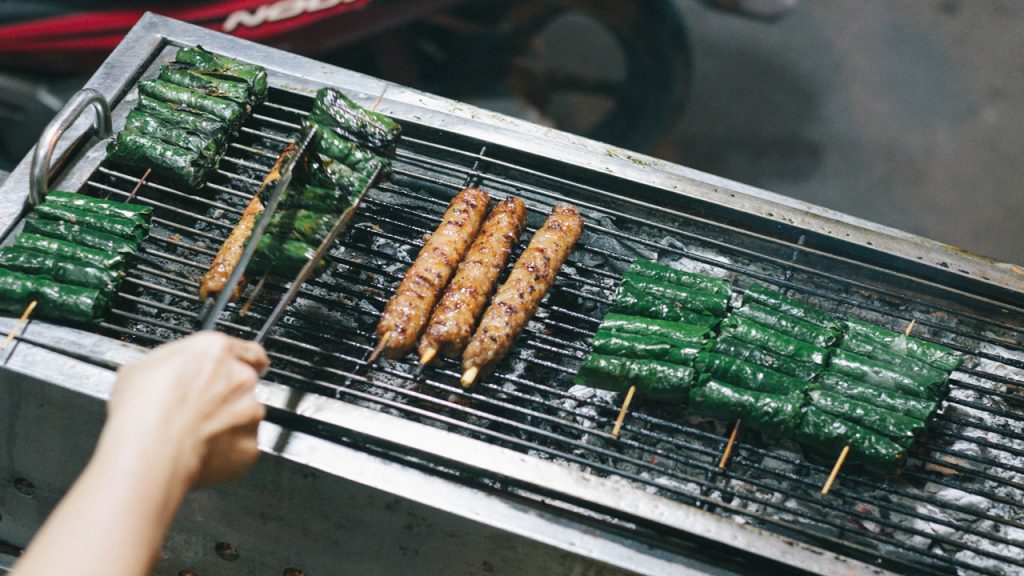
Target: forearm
[[114, 519]]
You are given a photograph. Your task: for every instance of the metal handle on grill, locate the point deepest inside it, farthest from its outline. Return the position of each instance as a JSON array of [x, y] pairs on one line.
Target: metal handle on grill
[[39, 181]]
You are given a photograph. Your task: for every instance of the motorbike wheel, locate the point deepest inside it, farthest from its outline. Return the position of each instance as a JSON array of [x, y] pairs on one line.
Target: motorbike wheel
[[613, 71]]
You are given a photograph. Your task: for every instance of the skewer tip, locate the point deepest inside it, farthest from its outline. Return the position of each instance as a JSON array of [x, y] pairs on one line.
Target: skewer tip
[[910, 328], [17, 326], [622, 411], [728, 447], [469, 376], [380, 348], [835, 470], [428, 356]]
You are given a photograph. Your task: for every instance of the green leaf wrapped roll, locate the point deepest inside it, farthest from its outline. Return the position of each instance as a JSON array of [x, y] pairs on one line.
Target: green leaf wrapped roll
[[740, 350], [656, 380], [120, 227], [873, 372], [228, 112], [184, 118], [225, 67], [326, 172], [283, 258], [828, 435], [868, 348], [305, 225], [139, 121], [785, 324], [912, 406], [349, 153], [677, 332], [669, 275], [336, 112], [644, 347], [62, 302], [776, 301], [643, 297], [69, 251], [747, 375], [930, 353], [134, 212], [59, 269], [901, 429], [315, 198], [753, 333], [140, 151], [82, 236], [220, 87], [774, 415]]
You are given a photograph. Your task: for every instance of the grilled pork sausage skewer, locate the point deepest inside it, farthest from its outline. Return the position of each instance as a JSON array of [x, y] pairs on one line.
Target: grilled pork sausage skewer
[[231, 251], [519, 297], [408, 311], [464, 300]]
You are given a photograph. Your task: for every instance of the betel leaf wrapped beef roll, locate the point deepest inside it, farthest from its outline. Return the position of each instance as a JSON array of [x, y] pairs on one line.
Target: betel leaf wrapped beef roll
[[669, 275], [221, 66], [746, 375], [919, 408], [64, 249], [828, 434], [776, 301], [60, 270], [186, 76], [753, 333], [661, 381], [682, 297], [120, 227], [859, 344], [932, 387], [901, 429], [774, 415], [789, 325], [178, 165], [934, 354], [632, 299], [651, 327], [228, 112], [142, 123], [740, 350], [134, 212], [336, 112], [75, 234], [183, 118], [644, 347], [62, 302]]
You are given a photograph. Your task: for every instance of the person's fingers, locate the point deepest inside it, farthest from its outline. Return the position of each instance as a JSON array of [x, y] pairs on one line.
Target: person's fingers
[[237, 412], [252, 354]]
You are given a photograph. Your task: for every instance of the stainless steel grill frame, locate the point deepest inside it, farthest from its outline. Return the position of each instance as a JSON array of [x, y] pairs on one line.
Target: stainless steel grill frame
[[497, 439]]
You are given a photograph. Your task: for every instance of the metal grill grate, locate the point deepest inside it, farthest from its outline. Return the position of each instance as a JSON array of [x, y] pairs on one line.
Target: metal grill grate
[[956, 508]]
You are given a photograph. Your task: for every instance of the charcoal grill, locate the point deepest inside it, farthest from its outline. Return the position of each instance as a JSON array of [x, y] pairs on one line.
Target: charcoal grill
[[379, 470]]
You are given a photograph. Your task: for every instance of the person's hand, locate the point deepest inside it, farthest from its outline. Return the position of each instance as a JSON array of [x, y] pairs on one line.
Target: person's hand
[[192, 401]]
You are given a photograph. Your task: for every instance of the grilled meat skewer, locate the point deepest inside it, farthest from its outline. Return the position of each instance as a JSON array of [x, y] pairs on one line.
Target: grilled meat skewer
[[519, 297], [408, 311], [231, 251], [454, 318]]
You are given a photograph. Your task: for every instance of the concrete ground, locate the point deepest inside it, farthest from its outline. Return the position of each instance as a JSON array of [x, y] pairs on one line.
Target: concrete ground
[[910, 114]]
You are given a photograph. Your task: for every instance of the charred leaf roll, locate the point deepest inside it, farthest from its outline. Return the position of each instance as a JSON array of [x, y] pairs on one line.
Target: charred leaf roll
[[677, 332], [56, 301], [789, 325], [776, 301], [335, 112], [113, 225], [179, 127], [669, 275], [746, 375], [928, 386], [774, 415], [827, 434], [933, 354], [859, 344], [141, 215], [645, 347], [661, 381], [64, 249], [62, 270], [740, 350], [677, 296], [899, 428], [217, 66], [82, 236], [912, 406], [763, 337]]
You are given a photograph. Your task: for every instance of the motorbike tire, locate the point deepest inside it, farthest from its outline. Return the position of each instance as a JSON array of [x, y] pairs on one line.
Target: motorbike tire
[[473, 49]]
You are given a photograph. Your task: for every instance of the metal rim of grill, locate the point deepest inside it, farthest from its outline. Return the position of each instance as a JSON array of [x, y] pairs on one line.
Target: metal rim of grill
[[909, 523]]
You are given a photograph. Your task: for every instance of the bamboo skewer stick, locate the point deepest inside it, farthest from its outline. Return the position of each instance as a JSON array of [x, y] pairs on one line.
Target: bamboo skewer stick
[[428, 356], [728, 447], [138, 185], [252, 297], [846, 449], [622, 411], [17, 326], [380, 348], [835, 470], [469, 376]]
